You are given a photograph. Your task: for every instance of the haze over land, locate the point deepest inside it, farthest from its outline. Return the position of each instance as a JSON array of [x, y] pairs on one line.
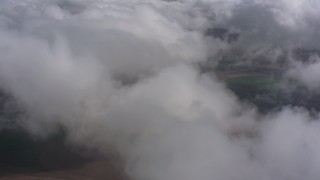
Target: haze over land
[[145, 79]]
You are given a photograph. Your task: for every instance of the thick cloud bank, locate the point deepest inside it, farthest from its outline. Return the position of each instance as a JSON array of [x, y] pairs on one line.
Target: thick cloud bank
[[123, 74]]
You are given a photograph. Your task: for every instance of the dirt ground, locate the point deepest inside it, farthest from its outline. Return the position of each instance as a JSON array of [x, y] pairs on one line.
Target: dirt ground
[[96, 170]]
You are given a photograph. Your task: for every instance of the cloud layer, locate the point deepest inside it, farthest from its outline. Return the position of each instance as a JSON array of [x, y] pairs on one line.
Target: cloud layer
[[124, 74]]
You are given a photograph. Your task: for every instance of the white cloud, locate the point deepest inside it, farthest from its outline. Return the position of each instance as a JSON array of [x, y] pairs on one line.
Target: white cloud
[[306, 73], [122, 73]]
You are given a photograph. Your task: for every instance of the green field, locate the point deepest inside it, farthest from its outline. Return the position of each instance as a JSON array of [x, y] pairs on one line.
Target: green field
[[255, 82], [261, 91]]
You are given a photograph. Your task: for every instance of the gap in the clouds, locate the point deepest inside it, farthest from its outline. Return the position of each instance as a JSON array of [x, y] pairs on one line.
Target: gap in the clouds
[[257, 79], [25, 155], [72, 7]]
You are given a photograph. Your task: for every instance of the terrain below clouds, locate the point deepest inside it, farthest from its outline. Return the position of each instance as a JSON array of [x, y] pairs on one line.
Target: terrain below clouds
[[159, 90]]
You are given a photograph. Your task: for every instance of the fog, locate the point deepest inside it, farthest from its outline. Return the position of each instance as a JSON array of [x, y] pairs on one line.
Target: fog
[[124, 74]]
